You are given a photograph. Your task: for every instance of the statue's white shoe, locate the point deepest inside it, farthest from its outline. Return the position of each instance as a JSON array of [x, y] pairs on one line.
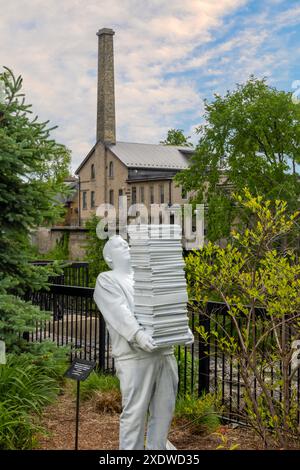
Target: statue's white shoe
[[170, 446]]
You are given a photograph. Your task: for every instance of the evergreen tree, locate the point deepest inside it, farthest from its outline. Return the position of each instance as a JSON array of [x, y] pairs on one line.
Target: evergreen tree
[[33, 168]]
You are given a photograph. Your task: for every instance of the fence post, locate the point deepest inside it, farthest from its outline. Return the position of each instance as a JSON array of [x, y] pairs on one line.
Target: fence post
[[203, 356], [87, 276], [102, 345]]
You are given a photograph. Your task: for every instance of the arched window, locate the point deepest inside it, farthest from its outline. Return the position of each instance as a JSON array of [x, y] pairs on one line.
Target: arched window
[[111, 169], [93, 171]]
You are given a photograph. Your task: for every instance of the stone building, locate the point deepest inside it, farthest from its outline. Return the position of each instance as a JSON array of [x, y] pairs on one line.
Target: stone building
[[142, 172], [70, 203]]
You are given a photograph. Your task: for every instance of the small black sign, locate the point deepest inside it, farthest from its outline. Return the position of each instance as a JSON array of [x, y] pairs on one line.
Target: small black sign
[[80, 369]]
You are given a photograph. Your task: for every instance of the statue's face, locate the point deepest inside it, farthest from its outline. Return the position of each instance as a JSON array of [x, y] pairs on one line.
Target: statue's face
[[119, 251]]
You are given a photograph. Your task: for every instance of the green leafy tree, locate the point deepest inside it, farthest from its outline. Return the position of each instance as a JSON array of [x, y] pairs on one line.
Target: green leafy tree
[[94, 248], [251, 137], [33, 168], [177, 137], [248, 274]]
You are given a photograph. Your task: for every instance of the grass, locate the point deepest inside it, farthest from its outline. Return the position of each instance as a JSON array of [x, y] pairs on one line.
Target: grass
[[25, 389], [98, 383], [200, 412]]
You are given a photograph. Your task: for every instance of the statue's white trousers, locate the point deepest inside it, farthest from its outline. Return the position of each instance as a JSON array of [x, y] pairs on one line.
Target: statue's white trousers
[[147, 385]]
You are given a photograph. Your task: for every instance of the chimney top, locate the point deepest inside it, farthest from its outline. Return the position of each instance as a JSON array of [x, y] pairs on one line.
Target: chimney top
[[105, 31]]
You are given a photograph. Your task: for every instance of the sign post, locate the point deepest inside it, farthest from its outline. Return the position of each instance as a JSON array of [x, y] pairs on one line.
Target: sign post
[[2, 353], [79, 370]]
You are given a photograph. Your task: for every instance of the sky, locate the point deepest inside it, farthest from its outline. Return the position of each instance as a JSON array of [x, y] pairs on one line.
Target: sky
[[169, 57]]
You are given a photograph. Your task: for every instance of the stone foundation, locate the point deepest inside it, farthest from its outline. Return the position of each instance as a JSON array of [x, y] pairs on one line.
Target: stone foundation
[[45, 240]]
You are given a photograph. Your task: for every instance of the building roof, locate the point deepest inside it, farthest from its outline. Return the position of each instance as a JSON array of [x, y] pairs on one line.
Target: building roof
[[85, 159], [135, 155], [150, 155], [73, 186]]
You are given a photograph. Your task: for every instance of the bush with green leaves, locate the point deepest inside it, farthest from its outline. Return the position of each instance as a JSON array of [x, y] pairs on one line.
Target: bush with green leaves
[[16, 318], [28, 382], [247, 275], [94, 248], [187, 367], [17, 429], [52, 360], [98, 382], [203, 412]]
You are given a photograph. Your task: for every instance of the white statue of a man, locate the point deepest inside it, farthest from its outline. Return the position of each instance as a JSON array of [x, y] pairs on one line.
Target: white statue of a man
[[148, 375]]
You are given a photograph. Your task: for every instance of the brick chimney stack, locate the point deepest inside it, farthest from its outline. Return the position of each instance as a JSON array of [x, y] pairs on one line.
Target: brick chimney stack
[[106, 120]]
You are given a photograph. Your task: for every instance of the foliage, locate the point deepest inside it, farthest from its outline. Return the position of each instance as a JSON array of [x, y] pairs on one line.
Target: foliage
[[250, 273], [94, 248], [250, 138], [177, 137], [98, 382], [27, 384], [33, 168], [225, 444], [16, 428], [186, 369], [60, 252], [201, 412], [53, 360], [16, 318]]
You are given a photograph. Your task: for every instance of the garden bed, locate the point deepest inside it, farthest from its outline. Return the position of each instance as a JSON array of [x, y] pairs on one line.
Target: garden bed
[[100, 429]]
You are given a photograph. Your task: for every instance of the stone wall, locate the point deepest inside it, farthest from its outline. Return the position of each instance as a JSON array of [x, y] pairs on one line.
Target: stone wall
[[45, 240]]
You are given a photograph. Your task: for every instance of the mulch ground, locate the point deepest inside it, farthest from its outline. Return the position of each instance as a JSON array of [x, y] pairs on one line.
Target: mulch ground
[[99, 428]]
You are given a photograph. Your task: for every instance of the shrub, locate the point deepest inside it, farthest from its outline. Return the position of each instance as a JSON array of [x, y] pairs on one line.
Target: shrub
[[28, 382], [94, 248], [260, 287], [53, 360], [16, 427], [186, 369], [26, 385], [201, 412], [98, 382]]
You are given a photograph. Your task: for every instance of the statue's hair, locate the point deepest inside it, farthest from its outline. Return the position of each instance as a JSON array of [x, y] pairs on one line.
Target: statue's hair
[[107, 250]]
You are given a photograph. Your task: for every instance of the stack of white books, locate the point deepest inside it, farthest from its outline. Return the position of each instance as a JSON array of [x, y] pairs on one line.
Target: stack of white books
[[160, 294]]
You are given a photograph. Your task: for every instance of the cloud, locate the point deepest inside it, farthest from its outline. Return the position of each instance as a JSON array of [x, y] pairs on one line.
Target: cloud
[[55, 50], [168, 56]]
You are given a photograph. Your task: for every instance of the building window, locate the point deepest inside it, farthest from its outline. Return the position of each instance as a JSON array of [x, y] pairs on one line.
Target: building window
[[151, 189], [84, 205], [111, 170], [93, 171], [120, 194], [92, 199], [162, 193], [183, 193], [111, 197], [142, 194], [133, 195]]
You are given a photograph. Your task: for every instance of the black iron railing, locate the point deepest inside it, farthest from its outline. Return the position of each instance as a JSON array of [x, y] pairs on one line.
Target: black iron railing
[[75, 320], [75, 273]]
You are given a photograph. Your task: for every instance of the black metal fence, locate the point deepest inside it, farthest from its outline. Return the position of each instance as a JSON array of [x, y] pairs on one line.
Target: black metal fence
[[75, 273], [75, 320]]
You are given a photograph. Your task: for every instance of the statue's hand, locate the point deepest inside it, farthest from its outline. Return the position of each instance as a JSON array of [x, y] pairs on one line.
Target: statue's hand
[[145, 341]]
